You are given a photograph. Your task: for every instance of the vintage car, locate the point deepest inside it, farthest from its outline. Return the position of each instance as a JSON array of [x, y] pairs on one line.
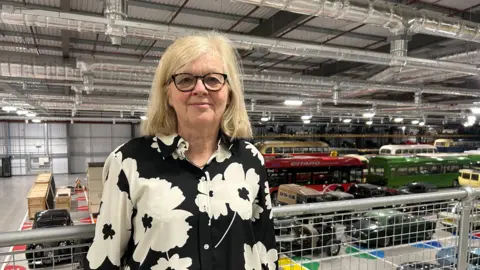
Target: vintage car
[[451, 216], [361, 191], [385, 227], [447, 256], [50, 219], [421, 208], [310, 234], [421, 266]]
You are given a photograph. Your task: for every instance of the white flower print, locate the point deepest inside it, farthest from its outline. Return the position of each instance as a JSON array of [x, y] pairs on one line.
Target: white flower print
[[252, 259], [255, 152], [257, 256], [223, 153], [241, 189], [175, 262], [267, 258], [209, 199], [257, 210], [182, 147], [157, 209], [167, 139], [155, 144]]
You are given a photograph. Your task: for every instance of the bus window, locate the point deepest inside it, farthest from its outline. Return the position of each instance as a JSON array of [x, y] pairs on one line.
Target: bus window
[[435, 169], [430, 150], [278, 150], [288, 150], [387, 151], [411, 151], [303, 178], [398, 152], [268, 150], [355, 175], [474, 177], [377, 171], [305, 150], [404, 151], [424, 150], [418, 150], [297, 150], [312, 150], [466, 175]]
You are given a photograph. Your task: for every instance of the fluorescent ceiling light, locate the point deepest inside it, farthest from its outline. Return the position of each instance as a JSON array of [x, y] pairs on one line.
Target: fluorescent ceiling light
[[292, 102], [31, 114], [421, 124], [143, 117], [403, 128], [306, 121], [398, 120], [415, 122], [472, 118], [264, 119], [9, 108], [368, 114], [466, 124], [22, 112], [36, 120], [306, 117], [475, 110], [369, 122], [347, 120]]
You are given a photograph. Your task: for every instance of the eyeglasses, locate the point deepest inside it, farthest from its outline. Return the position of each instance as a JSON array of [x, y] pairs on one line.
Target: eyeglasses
[[186, 82]]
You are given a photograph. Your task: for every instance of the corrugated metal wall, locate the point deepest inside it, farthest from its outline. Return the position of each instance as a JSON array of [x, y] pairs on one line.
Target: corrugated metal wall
[[69, 146]]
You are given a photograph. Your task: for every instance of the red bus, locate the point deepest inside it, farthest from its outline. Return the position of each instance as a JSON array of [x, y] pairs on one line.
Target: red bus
[[321, 173]]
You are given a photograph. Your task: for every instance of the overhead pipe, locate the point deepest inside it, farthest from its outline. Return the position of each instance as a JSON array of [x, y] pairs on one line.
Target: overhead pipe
[[115, 11], [75, 119], [82, 23], [395, 18]]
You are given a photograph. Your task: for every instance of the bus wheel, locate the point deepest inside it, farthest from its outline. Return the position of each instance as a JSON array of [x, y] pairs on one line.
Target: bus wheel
[[455, 183], [339, 189]]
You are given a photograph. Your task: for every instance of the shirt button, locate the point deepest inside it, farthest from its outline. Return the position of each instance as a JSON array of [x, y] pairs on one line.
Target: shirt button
[[206, 246]]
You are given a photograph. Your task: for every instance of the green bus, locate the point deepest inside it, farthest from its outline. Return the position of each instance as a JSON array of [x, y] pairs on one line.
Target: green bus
[[397, 171]]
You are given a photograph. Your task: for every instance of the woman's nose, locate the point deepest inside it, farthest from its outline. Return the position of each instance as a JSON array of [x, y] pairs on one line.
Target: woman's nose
[[199, 88]]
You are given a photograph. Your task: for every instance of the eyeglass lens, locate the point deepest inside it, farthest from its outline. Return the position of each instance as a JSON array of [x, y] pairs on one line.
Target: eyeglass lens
[[211, 81]]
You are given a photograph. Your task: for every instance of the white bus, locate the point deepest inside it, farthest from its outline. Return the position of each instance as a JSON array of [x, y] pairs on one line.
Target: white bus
[[407, 149]]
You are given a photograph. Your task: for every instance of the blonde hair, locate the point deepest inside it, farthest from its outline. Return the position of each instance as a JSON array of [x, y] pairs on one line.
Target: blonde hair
[[161, 117]]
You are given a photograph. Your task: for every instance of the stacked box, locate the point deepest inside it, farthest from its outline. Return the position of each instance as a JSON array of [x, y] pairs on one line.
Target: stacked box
[[63, 200], [94, 186], [39, 193]]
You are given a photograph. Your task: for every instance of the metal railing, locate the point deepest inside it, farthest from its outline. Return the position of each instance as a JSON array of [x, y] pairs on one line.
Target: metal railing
[[396, 232]]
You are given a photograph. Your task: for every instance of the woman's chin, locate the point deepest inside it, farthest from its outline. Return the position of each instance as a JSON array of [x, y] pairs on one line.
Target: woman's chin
[[203, 119]]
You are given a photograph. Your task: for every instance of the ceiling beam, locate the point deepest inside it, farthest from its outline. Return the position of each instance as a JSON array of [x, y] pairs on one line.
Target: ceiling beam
[[279, 23], [65, 7]]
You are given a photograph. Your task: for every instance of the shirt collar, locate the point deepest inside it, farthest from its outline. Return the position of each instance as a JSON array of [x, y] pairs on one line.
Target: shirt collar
[[174, 143]]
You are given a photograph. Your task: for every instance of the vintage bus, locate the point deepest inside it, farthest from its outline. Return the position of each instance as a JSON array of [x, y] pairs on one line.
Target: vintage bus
[[451, 146], [397, 171], [405, 149], [321, 173], [300, 148]]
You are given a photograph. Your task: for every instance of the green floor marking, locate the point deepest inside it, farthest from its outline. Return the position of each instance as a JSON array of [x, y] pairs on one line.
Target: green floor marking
[[355, 252], [306, 262]]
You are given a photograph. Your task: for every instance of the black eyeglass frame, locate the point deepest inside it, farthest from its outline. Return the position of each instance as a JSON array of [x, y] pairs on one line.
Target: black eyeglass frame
[[202, 77]]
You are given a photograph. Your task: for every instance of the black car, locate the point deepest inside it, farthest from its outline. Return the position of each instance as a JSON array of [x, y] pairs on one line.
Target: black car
[[295, 237], [384, 227], [49, 219], [361, 191], [421, 208], [421, 266]]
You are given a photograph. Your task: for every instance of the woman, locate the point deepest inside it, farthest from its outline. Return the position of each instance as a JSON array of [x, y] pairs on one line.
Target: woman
[[191, 194]]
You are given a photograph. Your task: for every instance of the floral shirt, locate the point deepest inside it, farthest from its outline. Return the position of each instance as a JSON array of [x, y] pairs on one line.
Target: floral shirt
[[158, 211]]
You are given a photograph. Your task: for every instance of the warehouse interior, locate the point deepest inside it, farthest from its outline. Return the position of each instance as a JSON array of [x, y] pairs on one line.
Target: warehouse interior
[[75, 75]]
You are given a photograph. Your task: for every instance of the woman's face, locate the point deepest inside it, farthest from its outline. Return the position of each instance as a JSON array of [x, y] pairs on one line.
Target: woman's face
[[199, 107]]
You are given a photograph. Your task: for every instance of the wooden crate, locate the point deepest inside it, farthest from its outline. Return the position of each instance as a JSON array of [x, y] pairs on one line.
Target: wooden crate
[[63, 199], [37, 199], [43, 178], [93, 208]]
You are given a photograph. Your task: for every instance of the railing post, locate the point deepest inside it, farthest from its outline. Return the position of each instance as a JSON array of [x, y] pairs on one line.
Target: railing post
[[464, 228]]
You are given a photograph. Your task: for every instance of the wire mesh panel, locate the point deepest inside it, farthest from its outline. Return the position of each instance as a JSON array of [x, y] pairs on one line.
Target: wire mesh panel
[[393, 237], [57, 255]]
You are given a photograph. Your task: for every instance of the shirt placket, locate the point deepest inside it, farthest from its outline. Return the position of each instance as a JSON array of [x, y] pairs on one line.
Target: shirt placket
[[205, 230]]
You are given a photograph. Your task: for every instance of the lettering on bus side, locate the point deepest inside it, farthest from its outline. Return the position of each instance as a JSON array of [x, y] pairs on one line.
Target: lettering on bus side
[[305, 163]]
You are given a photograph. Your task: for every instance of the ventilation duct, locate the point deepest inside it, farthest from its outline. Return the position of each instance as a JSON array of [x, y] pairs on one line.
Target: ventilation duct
[[115, 11], [81, 23], [396, 17], [75, 119]]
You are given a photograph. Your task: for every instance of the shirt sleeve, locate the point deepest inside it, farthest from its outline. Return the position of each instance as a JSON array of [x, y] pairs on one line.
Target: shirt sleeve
[[113, 227], [263, 224]]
